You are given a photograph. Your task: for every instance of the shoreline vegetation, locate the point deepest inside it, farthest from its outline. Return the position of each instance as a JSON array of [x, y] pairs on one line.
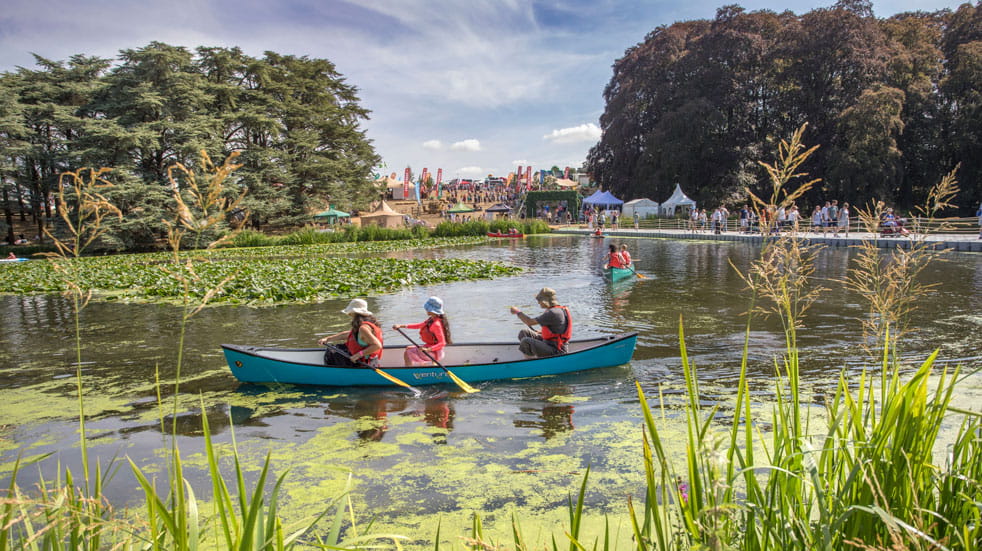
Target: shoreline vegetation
[[866, 477]]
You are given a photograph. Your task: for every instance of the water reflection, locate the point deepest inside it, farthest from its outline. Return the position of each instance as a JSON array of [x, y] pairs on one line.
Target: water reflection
[[543, 409]]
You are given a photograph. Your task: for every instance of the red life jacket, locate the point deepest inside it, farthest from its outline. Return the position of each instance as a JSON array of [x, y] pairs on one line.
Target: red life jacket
[[615, 260], [559, 339], [354, 347], [427, 334]]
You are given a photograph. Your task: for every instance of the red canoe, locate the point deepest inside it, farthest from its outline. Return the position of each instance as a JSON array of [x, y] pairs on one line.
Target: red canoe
[[495, 234]]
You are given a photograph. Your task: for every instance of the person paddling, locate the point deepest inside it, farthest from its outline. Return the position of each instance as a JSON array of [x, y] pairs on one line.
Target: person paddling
[[626, 256], [614, 259], [556, 324], [363, 343], [434, 331]]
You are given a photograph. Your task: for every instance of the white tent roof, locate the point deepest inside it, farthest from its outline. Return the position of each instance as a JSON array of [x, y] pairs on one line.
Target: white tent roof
[[644, 202], [678, 198]]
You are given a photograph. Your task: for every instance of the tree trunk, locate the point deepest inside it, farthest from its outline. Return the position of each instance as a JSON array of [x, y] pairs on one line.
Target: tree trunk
[[8, 216]]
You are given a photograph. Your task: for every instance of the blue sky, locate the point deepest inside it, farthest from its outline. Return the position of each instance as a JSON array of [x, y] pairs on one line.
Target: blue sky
[[470, 86]]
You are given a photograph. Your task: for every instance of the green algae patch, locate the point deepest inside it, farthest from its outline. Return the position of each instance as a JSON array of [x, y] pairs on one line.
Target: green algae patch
[[567, 399], [408, 478]]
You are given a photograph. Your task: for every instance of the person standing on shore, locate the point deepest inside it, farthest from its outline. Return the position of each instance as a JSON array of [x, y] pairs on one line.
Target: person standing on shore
[[843, 221]]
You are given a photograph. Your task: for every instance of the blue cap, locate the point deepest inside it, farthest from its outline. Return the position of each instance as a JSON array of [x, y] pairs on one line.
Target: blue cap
[[434, 305]]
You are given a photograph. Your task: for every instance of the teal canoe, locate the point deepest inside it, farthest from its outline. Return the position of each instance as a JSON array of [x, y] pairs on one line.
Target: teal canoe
[[617, 274], [472, 363]]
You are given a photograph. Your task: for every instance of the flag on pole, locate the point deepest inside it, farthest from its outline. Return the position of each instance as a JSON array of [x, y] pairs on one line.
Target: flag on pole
[[405, 184], [566, 173], [439, 178], [528, 177]]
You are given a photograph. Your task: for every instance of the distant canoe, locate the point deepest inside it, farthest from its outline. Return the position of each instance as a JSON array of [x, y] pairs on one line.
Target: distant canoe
[[471, 362], [496, 234], [617, 274], [13, 259]]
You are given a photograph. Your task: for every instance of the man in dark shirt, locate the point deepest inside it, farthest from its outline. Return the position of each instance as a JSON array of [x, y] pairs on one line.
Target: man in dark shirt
[[556, 327]]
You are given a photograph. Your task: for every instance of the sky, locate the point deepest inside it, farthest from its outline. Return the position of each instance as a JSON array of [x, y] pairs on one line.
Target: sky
[[474, 87]]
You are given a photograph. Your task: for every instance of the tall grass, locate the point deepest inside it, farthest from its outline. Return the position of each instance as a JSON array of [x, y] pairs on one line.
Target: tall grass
[[862, 476], [312, 236], [482, 227], [859, 472]]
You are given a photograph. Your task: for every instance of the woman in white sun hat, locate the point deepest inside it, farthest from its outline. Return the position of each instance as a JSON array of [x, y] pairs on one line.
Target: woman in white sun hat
[[434, 331], [363, 343]]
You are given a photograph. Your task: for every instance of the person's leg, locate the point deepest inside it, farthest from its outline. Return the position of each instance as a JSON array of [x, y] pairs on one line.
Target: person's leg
[[525, 338], [542, 349]]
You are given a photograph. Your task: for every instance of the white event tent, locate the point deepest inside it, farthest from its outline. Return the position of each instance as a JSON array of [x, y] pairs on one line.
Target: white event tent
[[644, 208], [677, 200]]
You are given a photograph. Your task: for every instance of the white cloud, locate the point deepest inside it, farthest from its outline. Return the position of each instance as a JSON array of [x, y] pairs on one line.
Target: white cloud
[[467, 145], [588, 132], [471, 171], [433, 145], [521, 162]]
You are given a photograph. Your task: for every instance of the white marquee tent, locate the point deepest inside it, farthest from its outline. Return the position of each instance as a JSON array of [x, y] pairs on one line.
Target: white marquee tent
[[678, 200], [644, 208]]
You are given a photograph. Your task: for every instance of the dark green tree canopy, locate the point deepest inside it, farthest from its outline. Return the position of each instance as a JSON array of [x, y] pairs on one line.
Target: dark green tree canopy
[[295, 121], [894, 104]]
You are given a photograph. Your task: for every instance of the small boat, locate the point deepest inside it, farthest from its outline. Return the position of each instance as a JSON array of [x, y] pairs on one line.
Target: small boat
[[499, 234], [13, 259], [472, 363], [618, 274]]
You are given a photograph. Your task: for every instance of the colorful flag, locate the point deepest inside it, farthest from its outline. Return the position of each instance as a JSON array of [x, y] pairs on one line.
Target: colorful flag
[[405, 184], [566, 173], [439, 178], [528, 177]]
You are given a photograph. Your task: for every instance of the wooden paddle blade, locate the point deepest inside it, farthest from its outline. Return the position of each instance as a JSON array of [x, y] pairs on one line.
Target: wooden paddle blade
[[640, 276], [460, 382]]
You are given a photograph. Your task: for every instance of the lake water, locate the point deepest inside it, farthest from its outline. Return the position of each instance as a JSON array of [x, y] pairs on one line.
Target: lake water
[[517, 449]]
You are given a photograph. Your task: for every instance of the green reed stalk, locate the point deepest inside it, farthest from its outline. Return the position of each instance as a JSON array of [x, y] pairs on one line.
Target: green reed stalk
[[868, 480]]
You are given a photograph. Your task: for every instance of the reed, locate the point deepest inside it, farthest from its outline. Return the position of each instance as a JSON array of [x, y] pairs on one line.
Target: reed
[[863, 475]]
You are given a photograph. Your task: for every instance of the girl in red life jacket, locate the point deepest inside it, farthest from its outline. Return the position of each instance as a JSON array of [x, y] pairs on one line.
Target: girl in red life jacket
[[435, 333], [363, 343], [625, 256], [614, 258]]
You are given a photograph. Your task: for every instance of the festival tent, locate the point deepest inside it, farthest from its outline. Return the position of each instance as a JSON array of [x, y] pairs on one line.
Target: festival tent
[[459, 208], [677, 200], [603, 199], [397, 189], [644, 208], [562, 182], [498, 209], [331, 215], [383, 217]]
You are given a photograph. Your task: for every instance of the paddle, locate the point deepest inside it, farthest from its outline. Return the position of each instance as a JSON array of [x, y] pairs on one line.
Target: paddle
[[460, 382], [640, 276], [377, 370]]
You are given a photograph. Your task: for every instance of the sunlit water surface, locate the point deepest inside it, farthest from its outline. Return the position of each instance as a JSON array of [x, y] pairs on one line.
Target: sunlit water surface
[[517, 449]]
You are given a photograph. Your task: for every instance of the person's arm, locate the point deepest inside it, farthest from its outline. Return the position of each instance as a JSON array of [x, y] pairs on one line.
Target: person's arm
[[374, 345], [324, 340], [410, 325], [525, 319]]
